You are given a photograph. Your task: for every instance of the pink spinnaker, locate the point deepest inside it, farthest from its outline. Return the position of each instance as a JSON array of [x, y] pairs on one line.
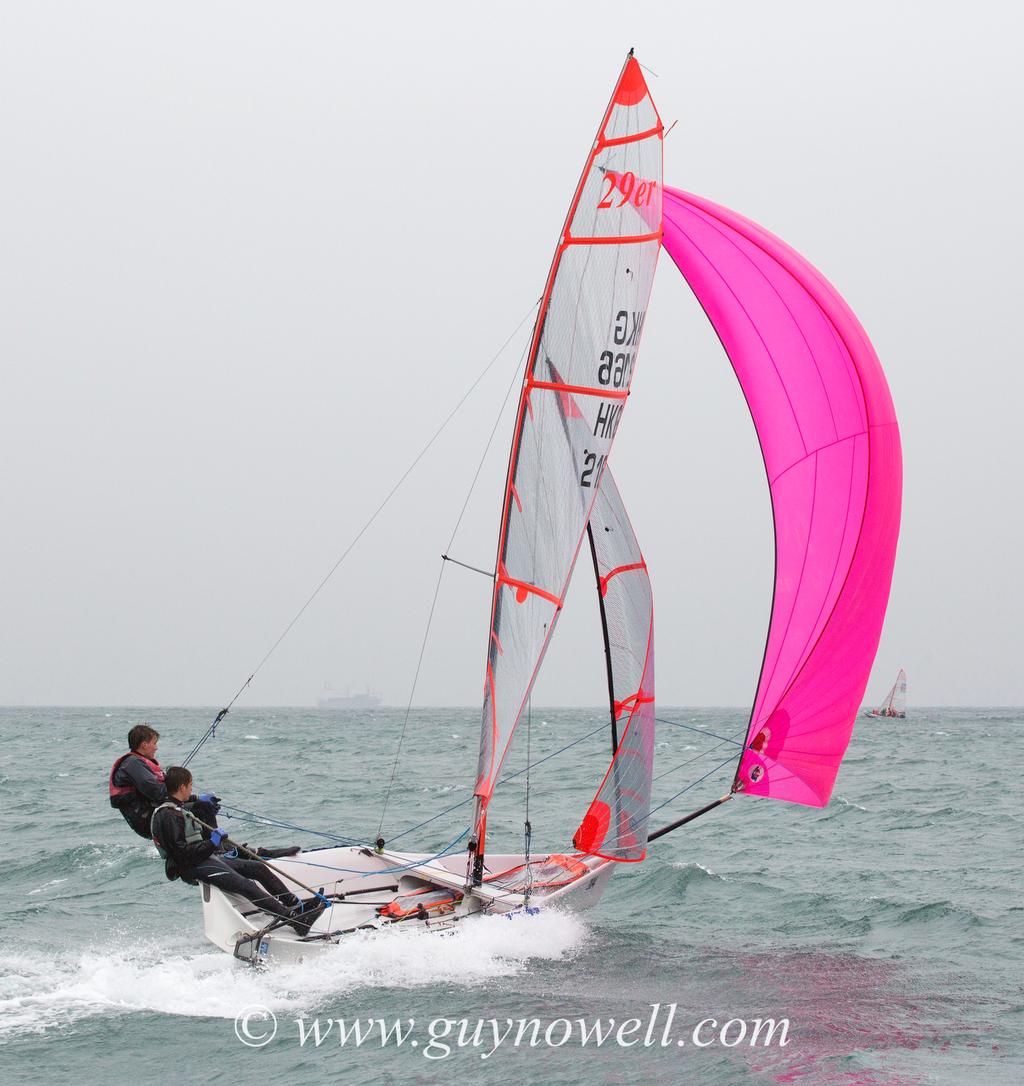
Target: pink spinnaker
[[827, 428]]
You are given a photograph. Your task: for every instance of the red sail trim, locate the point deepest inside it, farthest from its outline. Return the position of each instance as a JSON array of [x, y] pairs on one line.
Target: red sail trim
[[615, 572], [489, 681], [612, 239], [631, 89], [617, 141], [578, 390], [597, 807], [596, 850], [523, 587], [632, 703]]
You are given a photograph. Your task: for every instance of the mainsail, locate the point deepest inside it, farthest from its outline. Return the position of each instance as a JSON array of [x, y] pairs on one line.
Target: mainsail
[[615, 825], [581, 360], [827, 429]]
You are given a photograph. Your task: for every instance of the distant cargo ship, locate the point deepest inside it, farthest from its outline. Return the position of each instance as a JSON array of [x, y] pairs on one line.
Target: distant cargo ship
[[331, 699]]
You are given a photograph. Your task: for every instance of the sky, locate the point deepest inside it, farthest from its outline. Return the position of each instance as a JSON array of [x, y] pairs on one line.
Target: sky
[[254, 254]]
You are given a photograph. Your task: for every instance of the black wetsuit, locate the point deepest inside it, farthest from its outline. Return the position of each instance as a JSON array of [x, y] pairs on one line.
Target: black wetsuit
[[199, 859]]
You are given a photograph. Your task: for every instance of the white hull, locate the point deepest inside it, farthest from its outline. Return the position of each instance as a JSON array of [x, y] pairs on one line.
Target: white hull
[[368, 881]]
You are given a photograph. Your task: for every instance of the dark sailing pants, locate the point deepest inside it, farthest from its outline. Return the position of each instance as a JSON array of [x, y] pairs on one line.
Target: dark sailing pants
[[249, 878]]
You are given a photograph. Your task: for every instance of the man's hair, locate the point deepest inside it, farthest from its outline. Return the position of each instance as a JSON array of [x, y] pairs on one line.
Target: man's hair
[[140, 734], [175, 778]]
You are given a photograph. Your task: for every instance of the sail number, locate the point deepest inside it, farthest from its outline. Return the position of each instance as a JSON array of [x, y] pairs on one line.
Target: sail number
[[634, 191], [592, 465], [615, 368]]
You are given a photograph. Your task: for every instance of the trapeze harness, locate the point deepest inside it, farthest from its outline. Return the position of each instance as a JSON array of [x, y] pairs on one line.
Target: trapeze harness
[[193, 835], [126, 798]]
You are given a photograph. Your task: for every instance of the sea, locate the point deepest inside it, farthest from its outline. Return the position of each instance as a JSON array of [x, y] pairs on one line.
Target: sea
[[876, 941]]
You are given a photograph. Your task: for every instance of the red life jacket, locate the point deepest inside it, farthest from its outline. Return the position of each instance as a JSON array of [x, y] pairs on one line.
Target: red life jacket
[[118, 793], [133, 805]]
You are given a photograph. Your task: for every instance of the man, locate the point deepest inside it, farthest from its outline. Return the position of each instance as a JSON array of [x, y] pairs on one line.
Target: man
[[190, 855], [137, 787]]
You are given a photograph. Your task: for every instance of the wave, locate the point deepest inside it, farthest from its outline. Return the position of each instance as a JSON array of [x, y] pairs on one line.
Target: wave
[[39, 993], [932, 911], [88, 858], [667, 883]]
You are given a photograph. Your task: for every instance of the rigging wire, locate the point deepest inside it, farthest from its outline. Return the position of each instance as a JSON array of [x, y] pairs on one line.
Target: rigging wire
[[504, 780], [252, 816], [696, 757], [527, 828], [211, 731], [440, 576], [693, 784], [702, 731], [385, 870], [263, 820]]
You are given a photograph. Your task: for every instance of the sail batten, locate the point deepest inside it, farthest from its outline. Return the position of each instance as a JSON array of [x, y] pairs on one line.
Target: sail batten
[[579, 370]]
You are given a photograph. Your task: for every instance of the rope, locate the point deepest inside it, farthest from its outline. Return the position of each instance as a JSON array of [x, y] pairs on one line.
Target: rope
[[251, 816], [504, 780], [212, 729], [381, 870], [695, 758], [527, 828], [702, 731], [694, 784], [440, 575]]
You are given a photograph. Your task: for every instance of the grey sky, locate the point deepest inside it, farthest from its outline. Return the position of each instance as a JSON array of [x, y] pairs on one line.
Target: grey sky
[[253, 253]]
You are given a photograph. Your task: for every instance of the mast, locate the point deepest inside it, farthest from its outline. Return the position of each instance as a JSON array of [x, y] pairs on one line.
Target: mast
[[607, 647]]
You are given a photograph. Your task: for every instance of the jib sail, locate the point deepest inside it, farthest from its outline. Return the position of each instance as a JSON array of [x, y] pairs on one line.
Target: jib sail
[[615, 825]]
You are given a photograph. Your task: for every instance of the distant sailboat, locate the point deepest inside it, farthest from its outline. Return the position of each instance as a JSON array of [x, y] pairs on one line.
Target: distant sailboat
[[895, 704]]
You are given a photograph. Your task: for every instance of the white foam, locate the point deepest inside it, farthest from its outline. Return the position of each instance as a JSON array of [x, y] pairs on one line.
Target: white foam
[[39, 992], [40, 889], [706, 870]]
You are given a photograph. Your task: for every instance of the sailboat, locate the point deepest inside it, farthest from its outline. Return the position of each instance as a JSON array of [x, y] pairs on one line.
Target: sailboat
[[895, 704], [827, 430], [558, 492]]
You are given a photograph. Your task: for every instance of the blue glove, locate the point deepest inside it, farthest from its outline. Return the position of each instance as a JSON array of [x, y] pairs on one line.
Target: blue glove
[[217, 836]]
